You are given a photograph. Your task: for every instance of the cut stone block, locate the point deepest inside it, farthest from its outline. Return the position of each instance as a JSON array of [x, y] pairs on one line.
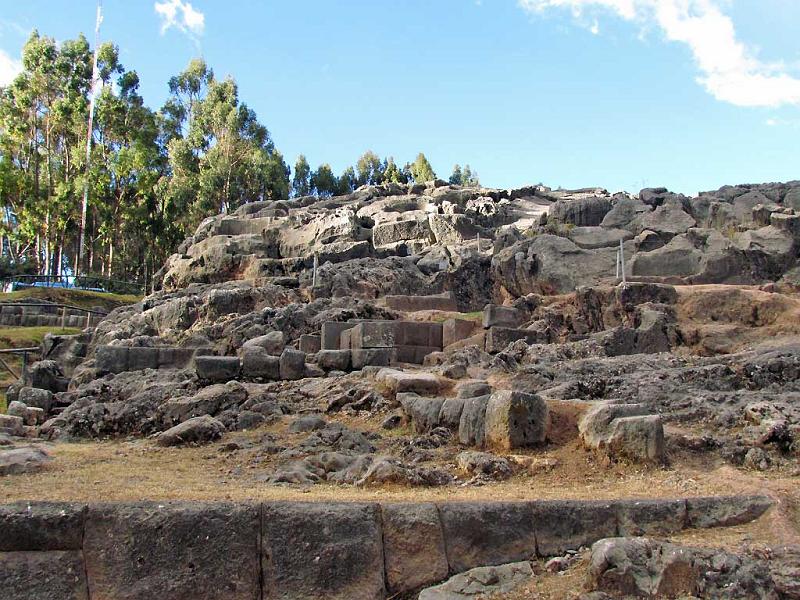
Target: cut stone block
[[178, 551], [217, 368], [725, 511], [455, 330], [43, 575], [501, 316], [413, 354], [41, 526], [310, 343], [322, 550], [334, 360], [487, 533], [330, 332], [497, 338], [563, 525], [413, 546], [444, 302], [650, 517], [515, 420], [376, 357], [292, 364]]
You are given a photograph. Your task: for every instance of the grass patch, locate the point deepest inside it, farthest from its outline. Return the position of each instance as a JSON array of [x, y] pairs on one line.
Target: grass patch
[[3, 403], [79, 298], [470, 316]]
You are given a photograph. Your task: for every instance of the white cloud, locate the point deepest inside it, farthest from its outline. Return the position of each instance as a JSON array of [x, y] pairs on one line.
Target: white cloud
[[9, 68], [182, 16], [729, 70]]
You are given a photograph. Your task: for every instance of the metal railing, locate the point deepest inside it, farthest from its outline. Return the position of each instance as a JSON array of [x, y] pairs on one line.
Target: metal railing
[[83, 282], [24, 352]]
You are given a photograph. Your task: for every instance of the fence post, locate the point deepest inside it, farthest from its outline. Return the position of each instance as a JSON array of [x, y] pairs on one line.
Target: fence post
[[88, 320]]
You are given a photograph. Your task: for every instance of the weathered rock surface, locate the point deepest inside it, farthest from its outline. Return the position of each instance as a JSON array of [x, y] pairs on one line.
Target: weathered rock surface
[[481, 582]]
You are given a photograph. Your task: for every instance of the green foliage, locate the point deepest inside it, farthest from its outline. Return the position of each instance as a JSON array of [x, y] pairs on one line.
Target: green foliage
[[347, 181], [153, 176], [323, 181], [466, 177], [301, 184], [369, 169], [421, 170]]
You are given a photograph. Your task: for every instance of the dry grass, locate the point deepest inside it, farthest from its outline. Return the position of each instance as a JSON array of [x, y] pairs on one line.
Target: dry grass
[[138, 469]]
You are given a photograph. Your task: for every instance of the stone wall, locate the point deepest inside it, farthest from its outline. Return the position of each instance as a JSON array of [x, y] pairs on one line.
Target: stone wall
[[183, 550], [45, 315]]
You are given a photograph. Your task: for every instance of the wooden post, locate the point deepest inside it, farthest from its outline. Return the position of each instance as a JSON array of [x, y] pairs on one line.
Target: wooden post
[[88, 320], [63, 317]]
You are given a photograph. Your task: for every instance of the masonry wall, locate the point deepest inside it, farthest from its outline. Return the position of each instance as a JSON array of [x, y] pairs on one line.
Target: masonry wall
[[297, 550], [44, 316]]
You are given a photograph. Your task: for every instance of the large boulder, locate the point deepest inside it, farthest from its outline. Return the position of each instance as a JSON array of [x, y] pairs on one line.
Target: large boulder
[[647, 568], [582, 212], [22, 460], [551, 264], [196, 430]]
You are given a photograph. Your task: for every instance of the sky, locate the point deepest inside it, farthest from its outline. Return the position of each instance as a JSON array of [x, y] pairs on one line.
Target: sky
[[621, 94]]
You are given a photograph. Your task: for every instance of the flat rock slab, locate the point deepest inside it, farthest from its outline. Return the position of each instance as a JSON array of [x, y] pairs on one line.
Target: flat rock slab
[[180, 551], [400, 381], [725, 511], [481, 582], [316, 550]]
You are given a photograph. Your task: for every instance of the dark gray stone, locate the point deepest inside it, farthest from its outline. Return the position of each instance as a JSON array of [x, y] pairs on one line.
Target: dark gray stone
[[471, 425], [650, 517], [487, 533], [563, 525], [292, 364], [322, 550], [217, 368], [41, 526], [52, 575], [257, 363], [175, 550], [414, 547], [725, 511]]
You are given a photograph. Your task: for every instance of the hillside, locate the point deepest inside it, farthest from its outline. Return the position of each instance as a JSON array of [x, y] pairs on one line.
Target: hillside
[[433, 342]]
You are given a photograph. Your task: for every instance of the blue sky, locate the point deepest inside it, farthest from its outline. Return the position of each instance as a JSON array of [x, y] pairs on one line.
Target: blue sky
[[688, 94]]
